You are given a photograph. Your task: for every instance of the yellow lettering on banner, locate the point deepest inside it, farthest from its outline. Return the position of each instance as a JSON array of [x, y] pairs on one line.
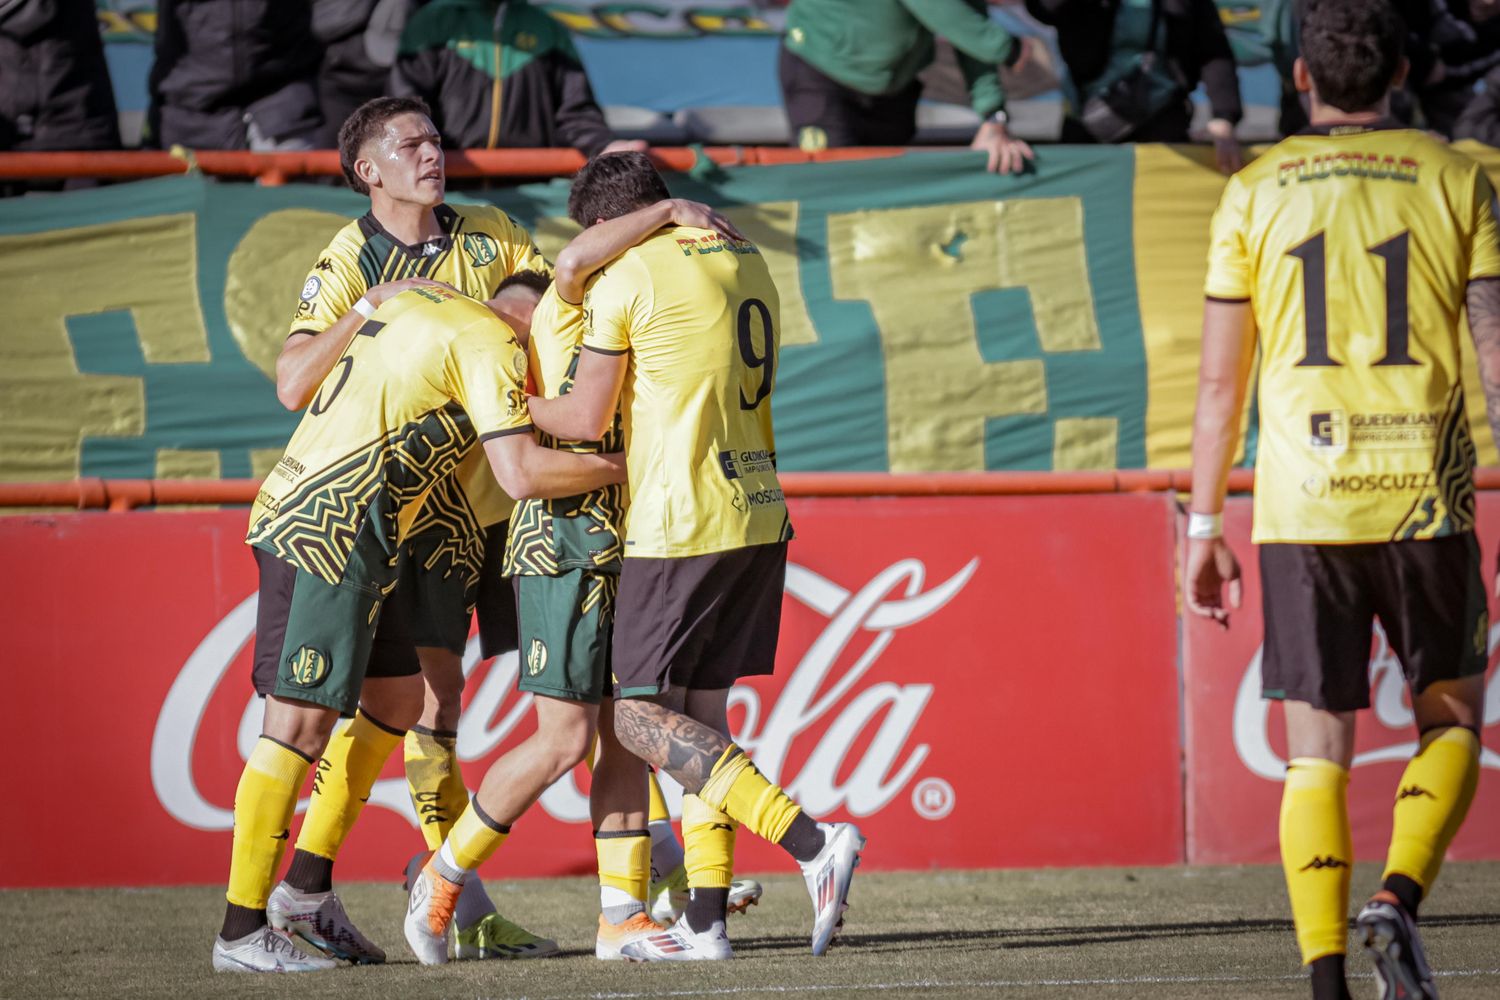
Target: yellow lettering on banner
[[939, 389], [553, 233], [772, 226], [266, 272], [187, 463], [263, 460], [148, 266], [1085, 444]]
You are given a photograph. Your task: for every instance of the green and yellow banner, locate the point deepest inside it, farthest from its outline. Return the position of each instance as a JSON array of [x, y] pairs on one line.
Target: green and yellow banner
[[934, 317]]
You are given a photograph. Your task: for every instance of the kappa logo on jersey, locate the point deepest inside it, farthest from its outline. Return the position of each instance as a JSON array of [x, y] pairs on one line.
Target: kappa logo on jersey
[[309, 667], [536, 657], [312, 288], [481, 248], [323, 264]]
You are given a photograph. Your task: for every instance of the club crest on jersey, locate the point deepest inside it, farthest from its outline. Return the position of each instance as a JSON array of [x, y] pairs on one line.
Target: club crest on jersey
[[309, 667], [481, 248], [536, 658], [312, 288]]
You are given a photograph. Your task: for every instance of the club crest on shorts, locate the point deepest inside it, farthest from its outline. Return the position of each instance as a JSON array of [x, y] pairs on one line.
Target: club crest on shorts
[[309, 667], [536, 658], [481, 248]]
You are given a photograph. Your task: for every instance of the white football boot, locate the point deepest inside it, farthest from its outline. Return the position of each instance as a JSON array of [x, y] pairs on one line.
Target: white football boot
[[319, 919], [680, 943], [828, 876], [266, 949]]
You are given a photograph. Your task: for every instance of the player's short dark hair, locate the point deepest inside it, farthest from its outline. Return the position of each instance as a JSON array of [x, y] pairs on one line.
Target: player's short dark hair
[[1352, 49], [534, 280], [366, 123], [614, 184]]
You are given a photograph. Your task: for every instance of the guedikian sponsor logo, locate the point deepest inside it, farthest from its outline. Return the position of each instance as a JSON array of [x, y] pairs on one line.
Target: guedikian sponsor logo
[[746, 463], [1251, 723], [1335, 429], [824, 677]]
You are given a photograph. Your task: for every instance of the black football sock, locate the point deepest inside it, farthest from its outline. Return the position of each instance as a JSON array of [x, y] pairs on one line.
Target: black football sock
[[802, 840], [1328, 981], [241, 920], [309, 873], [705, 906], [1405, 890]]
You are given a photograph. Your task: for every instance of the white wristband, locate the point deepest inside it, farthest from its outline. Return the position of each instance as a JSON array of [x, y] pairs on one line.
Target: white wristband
[[363, 307], [1205, 525]]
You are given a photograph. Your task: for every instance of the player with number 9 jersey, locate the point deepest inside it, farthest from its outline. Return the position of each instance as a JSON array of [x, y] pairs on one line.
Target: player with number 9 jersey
[[1356, 290]]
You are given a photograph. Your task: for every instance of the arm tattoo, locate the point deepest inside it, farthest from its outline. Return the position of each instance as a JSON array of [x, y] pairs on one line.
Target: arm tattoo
[[685, 749], [1483, 299]]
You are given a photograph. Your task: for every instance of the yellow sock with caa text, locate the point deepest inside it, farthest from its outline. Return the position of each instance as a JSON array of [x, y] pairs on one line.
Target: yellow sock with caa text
[[264, 804], [1431, 802], [735, 786], [436, 783], [659, 812], [472, 840], [625, 863], [708, 844], [1316, 854], [354, 758]]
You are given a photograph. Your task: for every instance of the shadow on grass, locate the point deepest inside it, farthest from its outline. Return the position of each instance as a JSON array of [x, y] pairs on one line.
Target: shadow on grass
[[1067, 937]]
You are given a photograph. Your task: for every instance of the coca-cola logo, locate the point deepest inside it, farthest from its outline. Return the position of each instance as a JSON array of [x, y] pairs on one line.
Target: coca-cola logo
[[822, 699], [1388, 703]]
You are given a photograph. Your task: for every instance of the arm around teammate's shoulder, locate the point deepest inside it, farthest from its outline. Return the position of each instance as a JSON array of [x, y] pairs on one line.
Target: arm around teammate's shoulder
[[526, 470]]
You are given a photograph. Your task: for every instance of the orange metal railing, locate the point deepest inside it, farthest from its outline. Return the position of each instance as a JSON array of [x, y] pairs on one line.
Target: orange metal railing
[[278, 168], [127, 494]]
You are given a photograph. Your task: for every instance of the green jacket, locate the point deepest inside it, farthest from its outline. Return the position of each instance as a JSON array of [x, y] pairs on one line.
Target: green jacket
[[879, 46]]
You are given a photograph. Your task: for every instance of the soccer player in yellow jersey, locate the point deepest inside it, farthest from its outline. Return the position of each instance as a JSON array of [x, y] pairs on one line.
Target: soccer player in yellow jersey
[[1347, 253], [430, 377], [390, 151], [686, 324]]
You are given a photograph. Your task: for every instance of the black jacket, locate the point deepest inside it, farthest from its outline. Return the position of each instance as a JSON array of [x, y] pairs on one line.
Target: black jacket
[[462, 56], [54, 85], [1194, 38], [221, 61]]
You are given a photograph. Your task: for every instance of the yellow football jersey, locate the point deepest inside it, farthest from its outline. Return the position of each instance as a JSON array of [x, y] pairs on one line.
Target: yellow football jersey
[[1354, 247], [481, 246], [698, 316], [420, 384], [578, 532]]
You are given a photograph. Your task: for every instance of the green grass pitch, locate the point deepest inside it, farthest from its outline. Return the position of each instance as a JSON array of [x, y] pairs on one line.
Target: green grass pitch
[[1053, 934]]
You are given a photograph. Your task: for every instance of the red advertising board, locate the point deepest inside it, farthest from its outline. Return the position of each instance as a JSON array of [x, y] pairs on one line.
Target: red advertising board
[[1236, 743], [973, 685]]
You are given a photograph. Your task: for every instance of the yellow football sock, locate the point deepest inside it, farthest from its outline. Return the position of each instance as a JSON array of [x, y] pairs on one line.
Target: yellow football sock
[[436, 782], [1316, 852], [708, 843], [345, 775], [659, 812], [474, 838], [264, 804], [625, 862], [1433, 798], [734, 786]]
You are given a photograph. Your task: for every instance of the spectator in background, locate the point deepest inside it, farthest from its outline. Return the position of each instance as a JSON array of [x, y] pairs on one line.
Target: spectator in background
[[1134, 63], [351, 71], [234, 74], [54, 86], [500, 73], [1481, 118], [1464, 36], [849, 70]]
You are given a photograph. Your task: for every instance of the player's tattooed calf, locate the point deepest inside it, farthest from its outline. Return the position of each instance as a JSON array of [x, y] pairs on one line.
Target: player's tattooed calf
[[685, 749]]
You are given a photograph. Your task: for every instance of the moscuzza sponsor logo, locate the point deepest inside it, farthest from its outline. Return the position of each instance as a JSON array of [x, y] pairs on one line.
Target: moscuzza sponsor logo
[[1387, 482]]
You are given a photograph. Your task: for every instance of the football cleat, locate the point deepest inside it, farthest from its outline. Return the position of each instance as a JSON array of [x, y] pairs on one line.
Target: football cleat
[[429, 915], [680, 943], [613, 937], [828, 876], [1390, 936], [319, 919], [669, 896], [495, 937], [266, 949], [743, 894]]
